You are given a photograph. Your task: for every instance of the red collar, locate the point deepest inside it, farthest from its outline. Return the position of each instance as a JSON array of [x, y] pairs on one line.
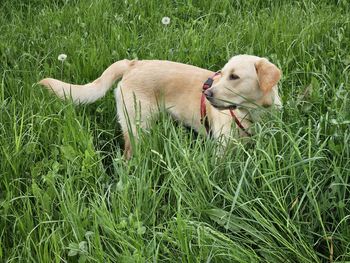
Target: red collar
[[204, 119]]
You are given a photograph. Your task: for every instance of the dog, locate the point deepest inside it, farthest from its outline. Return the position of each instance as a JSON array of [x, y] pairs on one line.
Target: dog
[[246, 82]]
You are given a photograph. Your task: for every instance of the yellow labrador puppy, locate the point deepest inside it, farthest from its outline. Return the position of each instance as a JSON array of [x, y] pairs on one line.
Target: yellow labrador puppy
[[245, 82]]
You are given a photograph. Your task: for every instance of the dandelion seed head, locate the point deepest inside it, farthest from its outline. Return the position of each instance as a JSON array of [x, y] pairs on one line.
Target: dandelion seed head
[[62, 57], [166, 20]]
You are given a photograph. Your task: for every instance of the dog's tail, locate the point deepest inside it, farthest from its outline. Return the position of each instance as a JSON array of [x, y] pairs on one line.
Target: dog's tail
[[92, 91]]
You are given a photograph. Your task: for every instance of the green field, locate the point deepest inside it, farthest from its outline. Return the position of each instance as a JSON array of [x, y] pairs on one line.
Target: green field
[[67, 195]]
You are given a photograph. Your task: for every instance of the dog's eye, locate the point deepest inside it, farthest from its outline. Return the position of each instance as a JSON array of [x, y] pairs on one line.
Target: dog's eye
[[233, 76]]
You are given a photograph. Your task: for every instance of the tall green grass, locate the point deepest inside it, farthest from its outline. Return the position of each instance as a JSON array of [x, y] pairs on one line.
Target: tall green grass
[[66, 195]]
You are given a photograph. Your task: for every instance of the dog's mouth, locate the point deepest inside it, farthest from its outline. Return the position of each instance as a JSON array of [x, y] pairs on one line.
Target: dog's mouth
[[231, 106]]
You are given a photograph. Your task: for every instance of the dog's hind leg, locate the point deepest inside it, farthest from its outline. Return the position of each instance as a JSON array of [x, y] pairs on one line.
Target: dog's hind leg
[[134, 111], [127, 145]]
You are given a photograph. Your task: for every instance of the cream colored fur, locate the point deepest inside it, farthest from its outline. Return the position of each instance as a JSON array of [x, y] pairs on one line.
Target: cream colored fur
[[178, 88]]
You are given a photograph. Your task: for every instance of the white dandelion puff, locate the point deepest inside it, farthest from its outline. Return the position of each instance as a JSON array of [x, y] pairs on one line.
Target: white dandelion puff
[[166, 20], [62, 57]]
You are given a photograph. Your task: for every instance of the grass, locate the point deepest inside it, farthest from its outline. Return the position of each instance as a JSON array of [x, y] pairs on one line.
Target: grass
[[66, 195]]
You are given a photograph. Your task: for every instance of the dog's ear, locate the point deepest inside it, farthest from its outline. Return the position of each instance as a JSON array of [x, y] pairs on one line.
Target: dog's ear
[[268, 74]]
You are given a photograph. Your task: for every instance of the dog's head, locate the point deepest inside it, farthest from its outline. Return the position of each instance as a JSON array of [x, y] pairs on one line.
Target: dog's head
[[246, 81]]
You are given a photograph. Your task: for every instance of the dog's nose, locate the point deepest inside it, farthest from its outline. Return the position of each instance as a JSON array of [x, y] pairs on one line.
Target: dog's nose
[[208, 93]]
